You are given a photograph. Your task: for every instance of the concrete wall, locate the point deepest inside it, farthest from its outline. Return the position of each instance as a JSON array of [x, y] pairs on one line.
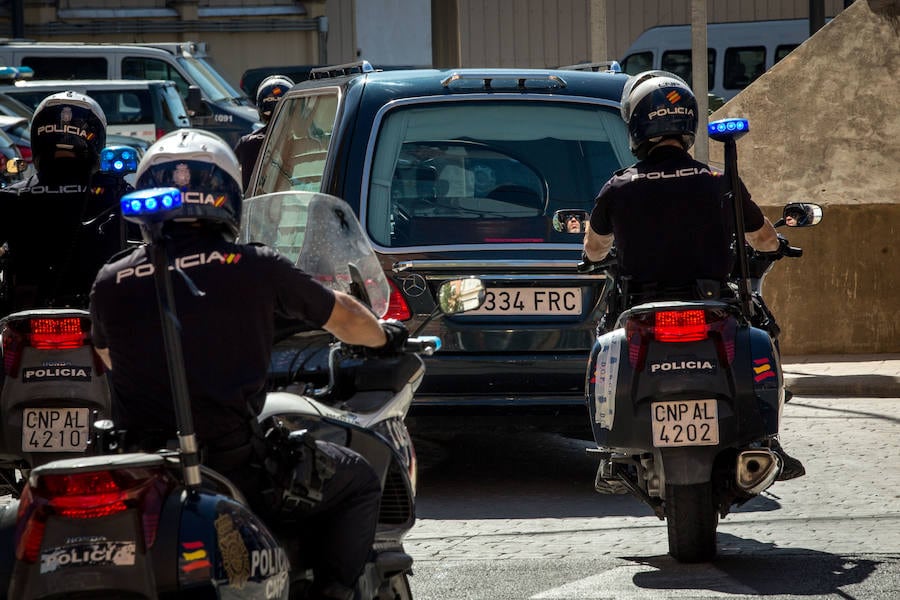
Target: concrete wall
[[824, 128]]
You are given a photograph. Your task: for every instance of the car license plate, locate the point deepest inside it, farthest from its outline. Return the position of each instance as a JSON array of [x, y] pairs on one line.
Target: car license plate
[[55, 429], [685, 423], [530, 301]]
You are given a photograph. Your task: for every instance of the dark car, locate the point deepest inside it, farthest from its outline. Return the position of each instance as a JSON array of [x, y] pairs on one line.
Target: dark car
[[459, 173], [19, 131]]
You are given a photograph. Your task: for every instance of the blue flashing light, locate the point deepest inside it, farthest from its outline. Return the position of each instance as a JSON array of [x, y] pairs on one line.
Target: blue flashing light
[[728, 128], [118, 160], [25, 72], [151, 205], [8, 73]]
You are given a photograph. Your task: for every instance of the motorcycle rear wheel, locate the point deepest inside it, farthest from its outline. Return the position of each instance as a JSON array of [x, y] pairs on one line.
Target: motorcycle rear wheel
[[691, 519]]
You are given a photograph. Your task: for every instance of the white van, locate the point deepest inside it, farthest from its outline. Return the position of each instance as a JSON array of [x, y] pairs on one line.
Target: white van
[[218, 107], [738, 52]]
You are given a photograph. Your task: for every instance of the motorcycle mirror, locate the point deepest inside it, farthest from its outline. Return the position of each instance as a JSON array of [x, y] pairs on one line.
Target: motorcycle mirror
[[570, 220], [460, 295], [118, 160], [728, 129], [14, 166], [801, 214]]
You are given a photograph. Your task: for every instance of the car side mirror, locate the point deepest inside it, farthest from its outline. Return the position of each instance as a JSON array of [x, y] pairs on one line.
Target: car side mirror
[[801, 214], [194, 101], [16, 166], [571, 220]]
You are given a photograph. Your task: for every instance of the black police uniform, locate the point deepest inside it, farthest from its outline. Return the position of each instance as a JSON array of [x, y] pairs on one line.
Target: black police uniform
[[247, 151], [227, 339], [60, 228], [672, 220]]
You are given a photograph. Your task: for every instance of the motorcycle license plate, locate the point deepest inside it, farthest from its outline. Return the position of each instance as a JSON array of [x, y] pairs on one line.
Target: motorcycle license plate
[[530, 301], [55, 429], [685, 423]]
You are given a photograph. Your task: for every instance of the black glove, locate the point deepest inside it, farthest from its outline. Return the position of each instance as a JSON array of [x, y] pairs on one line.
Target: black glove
[[396, 333], [778, 254]]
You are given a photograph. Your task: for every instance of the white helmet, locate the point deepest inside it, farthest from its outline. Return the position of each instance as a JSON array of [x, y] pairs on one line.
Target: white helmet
[[204, 168]]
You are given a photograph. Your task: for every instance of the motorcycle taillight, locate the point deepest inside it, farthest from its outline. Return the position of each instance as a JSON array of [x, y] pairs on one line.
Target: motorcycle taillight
[[89, 495], [397, 306], [43, 333], [679, 326]]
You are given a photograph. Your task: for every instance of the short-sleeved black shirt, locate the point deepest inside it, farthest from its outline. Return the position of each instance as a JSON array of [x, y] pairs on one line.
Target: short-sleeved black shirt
[[671, 218], [226, 333], [247, 151]]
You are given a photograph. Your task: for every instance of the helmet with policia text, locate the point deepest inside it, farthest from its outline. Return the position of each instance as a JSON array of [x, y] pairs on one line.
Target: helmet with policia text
[[656, 105], [69, 127], [204, 168], [270, 91]]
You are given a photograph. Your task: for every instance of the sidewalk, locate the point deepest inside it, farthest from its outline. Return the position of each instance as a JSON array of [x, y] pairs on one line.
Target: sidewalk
[[854, 375]]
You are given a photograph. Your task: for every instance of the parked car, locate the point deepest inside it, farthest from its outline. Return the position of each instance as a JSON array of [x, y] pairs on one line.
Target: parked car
[[143, 109], [10, 171], [217, 106], [18, 130], [251, 78], [459, 172]]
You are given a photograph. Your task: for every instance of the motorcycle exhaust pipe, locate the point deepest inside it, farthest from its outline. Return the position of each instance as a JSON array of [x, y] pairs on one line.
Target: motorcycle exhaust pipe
[[757, 469]]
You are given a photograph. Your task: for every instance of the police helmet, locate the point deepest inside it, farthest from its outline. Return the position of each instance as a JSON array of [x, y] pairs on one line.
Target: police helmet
[[658, 104], [204, 168], [270, 91], [68, 126]]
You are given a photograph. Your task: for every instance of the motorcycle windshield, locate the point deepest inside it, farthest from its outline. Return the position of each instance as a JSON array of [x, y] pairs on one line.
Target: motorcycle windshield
[[321, 235]]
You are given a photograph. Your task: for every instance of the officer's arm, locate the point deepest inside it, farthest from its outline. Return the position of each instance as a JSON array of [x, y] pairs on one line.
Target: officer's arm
[[597, 246], [764, 239], [354, 324]]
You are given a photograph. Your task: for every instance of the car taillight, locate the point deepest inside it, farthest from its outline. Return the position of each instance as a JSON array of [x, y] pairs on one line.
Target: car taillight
[[679, 326], [25, 152], [160, 132], [90, 495], [397, 306], [44, 333]]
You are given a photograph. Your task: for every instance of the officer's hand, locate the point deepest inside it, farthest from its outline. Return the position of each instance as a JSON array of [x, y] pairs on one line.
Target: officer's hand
[[396, 333], [778, 254]]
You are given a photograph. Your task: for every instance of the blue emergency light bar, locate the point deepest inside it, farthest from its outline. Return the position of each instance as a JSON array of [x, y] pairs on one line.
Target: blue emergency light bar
[[118, 160], [150, 206], [728, 128]]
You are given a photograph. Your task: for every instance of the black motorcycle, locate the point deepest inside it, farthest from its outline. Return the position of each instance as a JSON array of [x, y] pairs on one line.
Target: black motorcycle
[[161, 525], [685, 397]]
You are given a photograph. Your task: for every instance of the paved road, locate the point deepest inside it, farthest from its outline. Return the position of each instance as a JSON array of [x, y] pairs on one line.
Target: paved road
[[515, 516]]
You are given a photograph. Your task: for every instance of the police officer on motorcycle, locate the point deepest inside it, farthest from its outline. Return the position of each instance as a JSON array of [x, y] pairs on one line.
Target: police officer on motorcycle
[[60, 225], [270, 91], [228, 317], [668, 213]]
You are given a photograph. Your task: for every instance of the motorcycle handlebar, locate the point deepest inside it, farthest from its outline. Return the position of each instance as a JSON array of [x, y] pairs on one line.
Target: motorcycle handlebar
[[425, 344], [793, 252]]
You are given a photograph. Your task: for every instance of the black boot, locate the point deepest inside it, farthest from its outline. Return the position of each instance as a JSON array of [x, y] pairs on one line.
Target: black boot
[[791, 468]]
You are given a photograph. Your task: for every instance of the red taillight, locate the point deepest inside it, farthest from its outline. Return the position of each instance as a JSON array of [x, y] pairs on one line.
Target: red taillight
[[90, 495], [25, 152], [397, 306], [45, 333], [57, 334], [160, 132], [680, 326]]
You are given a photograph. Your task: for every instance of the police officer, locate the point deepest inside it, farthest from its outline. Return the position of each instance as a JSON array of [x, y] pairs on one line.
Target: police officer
[[667, 213], [60, 225], [269, 92], [227, 336]]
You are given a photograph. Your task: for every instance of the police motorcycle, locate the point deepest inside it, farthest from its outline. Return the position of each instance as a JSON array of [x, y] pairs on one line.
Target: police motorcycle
[[685, 397], [161, 525], [54, 384]]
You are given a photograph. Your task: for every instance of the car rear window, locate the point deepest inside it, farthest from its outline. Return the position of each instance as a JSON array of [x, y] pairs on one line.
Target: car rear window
[[488, 172]]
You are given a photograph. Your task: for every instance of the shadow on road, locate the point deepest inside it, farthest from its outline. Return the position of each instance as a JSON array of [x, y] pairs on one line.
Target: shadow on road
[[512, 475], [758, 568]]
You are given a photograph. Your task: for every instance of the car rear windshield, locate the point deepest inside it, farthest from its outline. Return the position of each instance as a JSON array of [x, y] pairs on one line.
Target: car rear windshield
[[488, 172]]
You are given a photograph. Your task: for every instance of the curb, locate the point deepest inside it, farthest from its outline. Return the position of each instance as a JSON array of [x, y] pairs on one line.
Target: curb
[[859, 386]]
